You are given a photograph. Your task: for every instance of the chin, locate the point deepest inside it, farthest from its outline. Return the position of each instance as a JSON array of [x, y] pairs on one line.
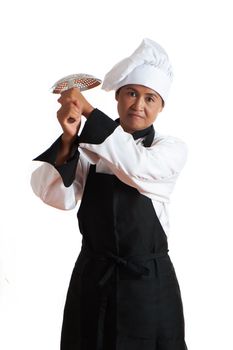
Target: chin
[[133, 125], [137, 126]]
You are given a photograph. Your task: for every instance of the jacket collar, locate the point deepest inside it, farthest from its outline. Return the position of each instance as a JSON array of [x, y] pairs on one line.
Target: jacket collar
[[147, 133]]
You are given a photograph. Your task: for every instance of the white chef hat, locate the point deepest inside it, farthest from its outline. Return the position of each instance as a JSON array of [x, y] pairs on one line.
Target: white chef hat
[[148, 65]]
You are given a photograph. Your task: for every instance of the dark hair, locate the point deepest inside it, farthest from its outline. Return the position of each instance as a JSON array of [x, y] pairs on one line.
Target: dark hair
[[117, 92]]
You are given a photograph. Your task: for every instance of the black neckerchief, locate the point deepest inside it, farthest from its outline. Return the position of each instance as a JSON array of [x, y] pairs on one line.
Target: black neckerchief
[[147, 133]]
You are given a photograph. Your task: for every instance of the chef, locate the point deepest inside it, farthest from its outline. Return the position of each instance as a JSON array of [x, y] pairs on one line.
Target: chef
[[123, 292]]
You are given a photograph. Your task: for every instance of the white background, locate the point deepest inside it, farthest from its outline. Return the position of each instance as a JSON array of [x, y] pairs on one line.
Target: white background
[[46, 40]]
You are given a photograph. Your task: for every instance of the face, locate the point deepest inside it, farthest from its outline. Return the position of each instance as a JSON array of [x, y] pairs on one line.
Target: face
[[138, 107]]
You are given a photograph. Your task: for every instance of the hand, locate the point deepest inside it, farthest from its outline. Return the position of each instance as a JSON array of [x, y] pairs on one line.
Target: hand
[[69, 117], [73, 106], [74, 95]]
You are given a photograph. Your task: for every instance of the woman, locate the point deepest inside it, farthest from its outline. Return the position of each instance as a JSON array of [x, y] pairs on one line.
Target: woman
[[123, 292]]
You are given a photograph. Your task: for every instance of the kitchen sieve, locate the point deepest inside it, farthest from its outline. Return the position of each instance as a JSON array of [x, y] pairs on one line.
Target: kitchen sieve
[[81, 81]]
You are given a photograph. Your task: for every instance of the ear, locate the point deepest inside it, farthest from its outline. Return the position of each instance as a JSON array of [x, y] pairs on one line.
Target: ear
[[161, 109], [116, 95], [162, 105]]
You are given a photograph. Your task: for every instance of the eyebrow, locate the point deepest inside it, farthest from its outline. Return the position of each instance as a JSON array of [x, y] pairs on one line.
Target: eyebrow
[[147, 93]]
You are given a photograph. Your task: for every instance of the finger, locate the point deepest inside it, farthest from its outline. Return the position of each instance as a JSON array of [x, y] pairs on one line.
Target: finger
[[64, 100], [68, 115], [68, 109], [70, 95]]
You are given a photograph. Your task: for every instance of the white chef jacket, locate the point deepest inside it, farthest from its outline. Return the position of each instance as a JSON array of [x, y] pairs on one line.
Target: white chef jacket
[[153, 170]]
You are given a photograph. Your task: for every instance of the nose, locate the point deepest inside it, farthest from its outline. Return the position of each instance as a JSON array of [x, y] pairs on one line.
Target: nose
[[138, 104]]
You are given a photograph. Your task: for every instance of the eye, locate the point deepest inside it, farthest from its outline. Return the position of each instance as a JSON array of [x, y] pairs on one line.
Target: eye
[[132, 93], [150, 99]]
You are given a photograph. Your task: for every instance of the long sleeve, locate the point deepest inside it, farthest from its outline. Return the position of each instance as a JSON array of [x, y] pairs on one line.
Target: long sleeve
[[66, 170], [152, 170], [60, 186]]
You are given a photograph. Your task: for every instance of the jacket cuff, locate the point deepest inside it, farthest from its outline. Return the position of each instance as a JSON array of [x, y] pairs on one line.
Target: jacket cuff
[[50, 154], [97, 128], [68, 169]]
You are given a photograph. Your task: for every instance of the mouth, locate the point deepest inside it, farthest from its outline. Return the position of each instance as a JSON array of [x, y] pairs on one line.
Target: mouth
[[135, 115]]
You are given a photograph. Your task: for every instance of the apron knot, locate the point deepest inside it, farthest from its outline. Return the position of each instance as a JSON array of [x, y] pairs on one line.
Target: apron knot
[[133, 267]]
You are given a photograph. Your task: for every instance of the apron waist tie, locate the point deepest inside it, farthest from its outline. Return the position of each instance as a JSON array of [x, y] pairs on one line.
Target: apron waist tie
[[134, 264]]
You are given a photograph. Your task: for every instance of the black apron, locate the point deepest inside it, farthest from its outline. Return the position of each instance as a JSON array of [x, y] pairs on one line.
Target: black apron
[[123, 293]]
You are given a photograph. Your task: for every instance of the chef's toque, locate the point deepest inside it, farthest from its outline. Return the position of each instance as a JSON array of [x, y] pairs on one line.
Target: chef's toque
[[148, 65]]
